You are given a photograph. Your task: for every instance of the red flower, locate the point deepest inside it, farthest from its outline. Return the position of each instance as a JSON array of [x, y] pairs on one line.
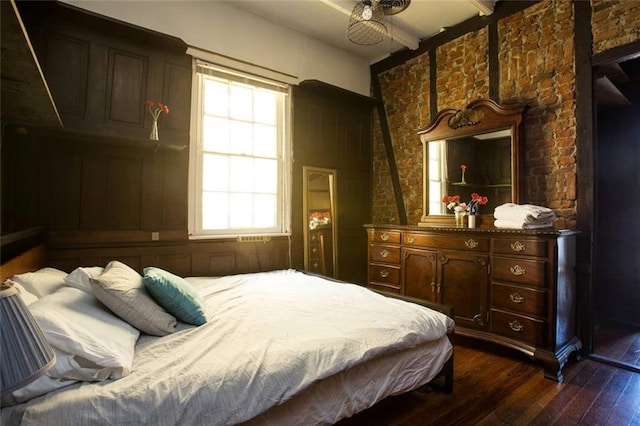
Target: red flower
[[463, 166], [160, 107]]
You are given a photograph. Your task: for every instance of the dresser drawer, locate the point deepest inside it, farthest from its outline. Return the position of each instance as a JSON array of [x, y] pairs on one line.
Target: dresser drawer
[[520, 246], [519, 299], [385, 274], [519, 271], [446, 242], [384, 254], [380, 236], [518, 327]]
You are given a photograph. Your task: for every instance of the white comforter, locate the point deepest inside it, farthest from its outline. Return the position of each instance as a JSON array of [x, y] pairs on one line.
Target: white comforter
[[269, 336]]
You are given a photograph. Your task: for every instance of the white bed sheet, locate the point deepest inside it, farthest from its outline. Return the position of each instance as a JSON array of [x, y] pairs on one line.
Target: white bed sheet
[[270, 336]]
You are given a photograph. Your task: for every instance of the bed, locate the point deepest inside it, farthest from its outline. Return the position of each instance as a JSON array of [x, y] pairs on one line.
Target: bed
[[280, 347]]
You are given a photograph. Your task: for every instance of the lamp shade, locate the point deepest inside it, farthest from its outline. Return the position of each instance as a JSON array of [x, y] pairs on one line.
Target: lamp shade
[[366, 25], [25, 352]]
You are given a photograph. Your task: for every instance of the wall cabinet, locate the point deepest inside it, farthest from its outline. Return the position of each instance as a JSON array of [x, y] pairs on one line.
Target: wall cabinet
[[511, 287]]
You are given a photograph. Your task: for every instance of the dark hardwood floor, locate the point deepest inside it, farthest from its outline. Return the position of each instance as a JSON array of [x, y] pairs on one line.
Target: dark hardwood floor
[[498, 386], [617, 342]]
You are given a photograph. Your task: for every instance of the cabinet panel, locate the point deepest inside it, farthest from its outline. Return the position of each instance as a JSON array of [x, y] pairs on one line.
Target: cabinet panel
[[464, 284], [519, 299], [419, 274], [521, 246], [519, 271]]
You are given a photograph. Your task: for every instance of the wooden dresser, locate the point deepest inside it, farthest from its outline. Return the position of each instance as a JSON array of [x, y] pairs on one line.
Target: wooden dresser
[[511, 287]]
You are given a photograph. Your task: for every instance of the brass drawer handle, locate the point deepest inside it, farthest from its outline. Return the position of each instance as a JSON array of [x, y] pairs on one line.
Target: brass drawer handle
[[471, 243], [314, 237], [384, 273], [314, 250], [517, 246], [384, 236], [518, 270], [516, 298], [477, 320], [410, 239], [316, 265], [516, 326], [384, 253]]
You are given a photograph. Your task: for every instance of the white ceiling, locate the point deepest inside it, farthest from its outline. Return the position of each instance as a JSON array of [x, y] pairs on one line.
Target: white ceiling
[[327, 20]]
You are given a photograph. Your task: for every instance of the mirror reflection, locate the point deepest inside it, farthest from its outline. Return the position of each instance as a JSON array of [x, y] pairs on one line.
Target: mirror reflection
[[478, 164], [319, 195]]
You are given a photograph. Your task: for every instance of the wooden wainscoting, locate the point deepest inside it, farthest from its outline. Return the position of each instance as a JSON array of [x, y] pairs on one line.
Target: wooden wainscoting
[[184, 258]]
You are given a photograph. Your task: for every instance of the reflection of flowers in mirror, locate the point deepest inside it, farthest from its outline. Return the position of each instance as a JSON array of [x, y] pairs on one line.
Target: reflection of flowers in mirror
[[453, 203], [319, 218]]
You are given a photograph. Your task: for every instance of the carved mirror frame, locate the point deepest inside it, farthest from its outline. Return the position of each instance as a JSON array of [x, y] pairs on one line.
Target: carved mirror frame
[[480, 117]]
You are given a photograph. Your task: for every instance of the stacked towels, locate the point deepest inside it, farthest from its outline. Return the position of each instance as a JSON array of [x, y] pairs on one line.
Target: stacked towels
[[523, 216]]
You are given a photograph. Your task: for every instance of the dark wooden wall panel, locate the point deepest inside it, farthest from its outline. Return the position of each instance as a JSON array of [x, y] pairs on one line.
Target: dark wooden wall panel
[[124, 181], [127, 87], [177, 95], [67, 61], [332, 129]]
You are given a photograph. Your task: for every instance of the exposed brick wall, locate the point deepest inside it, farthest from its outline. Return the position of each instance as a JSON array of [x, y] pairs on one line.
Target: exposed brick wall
[[614, 23], [536, 67], [405, 90], [463, 70], [536, 61]]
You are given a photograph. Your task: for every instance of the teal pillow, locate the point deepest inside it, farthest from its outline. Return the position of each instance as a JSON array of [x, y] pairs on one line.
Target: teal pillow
[[175, 295]]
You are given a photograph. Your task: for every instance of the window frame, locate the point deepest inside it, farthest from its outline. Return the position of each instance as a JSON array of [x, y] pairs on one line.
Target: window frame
[[196, 152]]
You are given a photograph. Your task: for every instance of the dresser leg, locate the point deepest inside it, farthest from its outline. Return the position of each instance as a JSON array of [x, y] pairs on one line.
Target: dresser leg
[[555, 362]]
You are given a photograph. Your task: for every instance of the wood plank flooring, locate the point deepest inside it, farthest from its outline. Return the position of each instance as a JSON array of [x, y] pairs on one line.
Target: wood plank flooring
[[618, 342], [498, 386]]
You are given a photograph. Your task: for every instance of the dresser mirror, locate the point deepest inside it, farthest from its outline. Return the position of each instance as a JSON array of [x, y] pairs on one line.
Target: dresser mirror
[[474, 150], [320, 227]]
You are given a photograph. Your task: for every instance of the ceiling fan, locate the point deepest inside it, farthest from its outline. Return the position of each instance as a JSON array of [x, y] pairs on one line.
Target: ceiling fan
[[366, 25]]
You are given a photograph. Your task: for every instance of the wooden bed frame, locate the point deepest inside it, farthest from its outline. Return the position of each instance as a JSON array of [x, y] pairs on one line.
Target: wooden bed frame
[[35, 257]]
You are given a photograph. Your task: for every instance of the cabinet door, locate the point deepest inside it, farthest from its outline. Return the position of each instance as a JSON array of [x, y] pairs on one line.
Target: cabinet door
[[419, 274], [463, 279]]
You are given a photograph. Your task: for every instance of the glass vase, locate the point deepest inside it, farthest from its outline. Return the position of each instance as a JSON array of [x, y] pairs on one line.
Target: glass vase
[[460, 216], [154, 131]]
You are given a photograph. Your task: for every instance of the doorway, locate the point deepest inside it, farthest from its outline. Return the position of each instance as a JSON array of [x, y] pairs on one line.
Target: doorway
[[616, 303]]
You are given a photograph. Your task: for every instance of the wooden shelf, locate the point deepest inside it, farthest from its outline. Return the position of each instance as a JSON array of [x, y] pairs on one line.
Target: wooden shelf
[[498, 185], [87, 138]]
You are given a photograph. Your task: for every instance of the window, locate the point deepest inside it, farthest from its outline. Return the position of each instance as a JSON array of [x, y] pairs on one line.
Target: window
[[239, 160]]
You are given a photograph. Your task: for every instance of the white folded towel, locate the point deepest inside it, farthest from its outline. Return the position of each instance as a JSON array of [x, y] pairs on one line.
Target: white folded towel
[[515, 224], [525, 213]]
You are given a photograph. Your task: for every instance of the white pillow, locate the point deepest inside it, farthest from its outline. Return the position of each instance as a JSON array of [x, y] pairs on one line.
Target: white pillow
[[27, 298], [41, 282], [75, 322], [79, 277]]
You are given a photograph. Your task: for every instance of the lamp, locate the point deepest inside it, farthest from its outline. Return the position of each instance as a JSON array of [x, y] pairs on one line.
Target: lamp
[[25, 353], [366, 24]]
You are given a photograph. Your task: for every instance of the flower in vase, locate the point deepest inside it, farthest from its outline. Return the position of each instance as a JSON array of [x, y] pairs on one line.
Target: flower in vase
[[463, 167], [475, 201]]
